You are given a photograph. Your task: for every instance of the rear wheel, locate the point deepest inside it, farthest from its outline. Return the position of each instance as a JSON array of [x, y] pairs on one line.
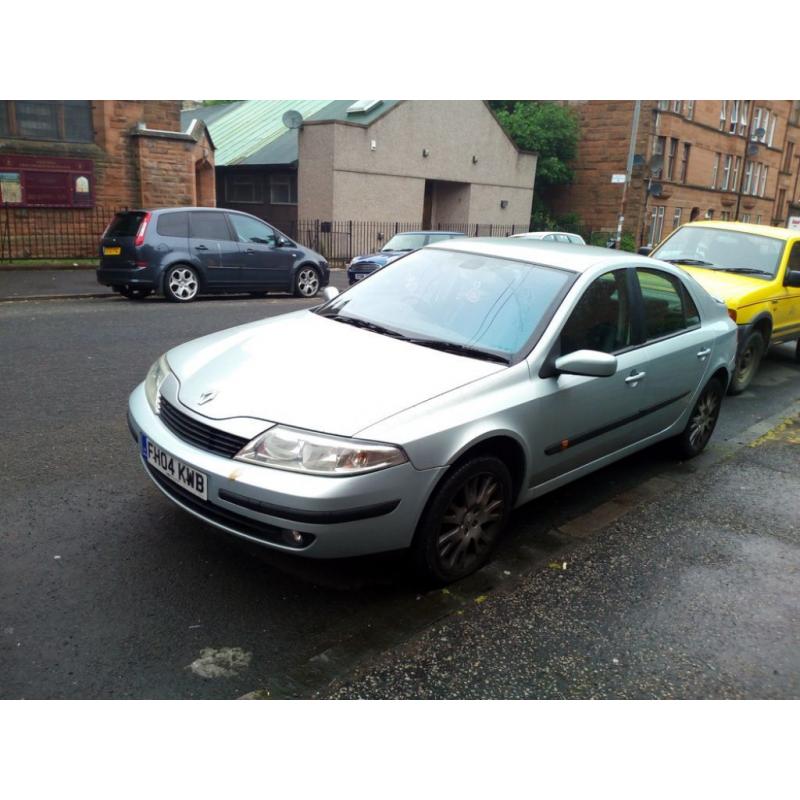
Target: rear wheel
[[181, 284], [702, 420], [133, 293], [747, 362], [463, 521], [306, 282]]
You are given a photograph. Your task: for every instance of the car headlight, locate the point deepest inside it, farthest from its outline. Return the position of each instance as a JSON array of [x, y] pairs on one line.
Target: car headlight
[[152, 383], [318, 454]]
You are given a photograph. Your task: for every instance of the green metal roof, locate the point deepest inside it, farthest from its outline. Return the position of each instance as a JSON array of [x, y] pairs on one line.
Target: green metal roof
[[252, 131]]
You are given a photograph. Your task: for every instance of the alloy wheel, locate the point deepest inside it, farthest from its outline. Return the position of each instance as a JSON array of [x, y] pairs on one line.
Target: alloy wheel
[[183, 283], [307, 282], [704, 419], [469, 524]]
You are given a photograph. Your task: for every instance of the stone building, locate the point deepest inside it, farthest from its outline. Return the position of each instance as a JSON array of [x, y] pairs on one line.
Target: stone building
[[695, 159], [433, 163], [67, 165]]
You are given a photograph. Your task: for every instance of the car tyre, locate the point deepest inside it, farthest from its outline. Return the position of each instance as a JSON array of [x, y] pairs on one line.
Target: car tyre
[[747, 362], [702, 420], [133, 293], [181, 284], [306, 282], [462, 521]]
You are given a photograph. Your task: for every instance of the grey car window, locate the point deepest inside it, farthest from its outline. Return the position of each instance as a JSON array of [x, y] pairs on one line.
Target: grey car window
[[601, 320], [251, 230], [208, 225], [175, 223], [662, 295]]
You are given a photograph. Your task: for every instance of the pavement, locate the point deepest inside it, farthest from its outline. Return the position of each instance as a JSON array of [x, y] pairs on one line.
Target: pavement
[[692, 592], [107, 590], [41, 283]]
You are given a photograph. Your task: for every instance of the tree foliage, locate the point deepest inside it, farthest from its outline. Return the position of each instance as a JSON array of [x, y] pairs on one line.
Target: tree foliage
[[546, 128]]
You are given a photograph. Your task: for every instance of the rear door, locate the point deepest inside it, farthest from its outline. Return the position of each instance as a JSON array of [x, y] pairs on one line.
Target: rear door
[[676, 351], [264, 263], [117, 246], [211, 244]]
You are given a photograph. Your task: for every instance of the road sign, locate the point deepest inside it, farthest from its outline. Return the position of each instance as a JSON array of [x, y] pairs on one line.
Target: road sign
[[618, 177]]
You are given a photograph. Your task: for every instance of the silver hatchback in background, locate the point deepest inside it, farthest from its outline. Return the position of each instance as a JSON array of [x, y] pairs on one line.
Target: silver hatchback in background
[[457, 383]]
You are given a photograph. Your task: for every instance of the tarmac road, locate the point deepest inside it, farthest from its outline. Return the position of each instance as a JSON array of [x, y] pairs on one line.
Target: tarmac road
[[108, 591]]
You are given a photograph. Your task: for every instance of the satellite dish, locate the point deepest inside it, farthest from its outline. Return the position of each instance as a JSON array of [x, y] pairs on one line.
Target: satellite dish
[[292, 119], [656, 163], [656, 189], [760, 133], [752, 149]]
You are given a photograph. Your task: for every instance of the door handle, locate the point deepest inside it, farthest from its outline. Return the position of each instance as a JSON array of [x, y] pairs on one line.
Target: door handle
[[703, 353], [634, 378], [201, 247]]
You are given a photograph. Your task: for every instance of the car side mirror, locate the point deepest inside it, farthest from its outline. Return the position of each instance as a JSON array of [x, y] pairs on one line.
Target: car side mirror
[[591, 363], [281, 242], [792, 278], [645, 250], [329, 293]]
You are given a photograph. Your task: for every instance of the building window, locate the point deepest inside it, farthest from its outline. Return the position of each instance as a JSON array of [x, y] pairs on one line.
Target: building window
[[737, 163], [53, 120], [715, 170], [726, 173], [763, 188], [283, 190], [748, 178], [656, 225], [677, 105], [771, 131], [676, 218], [710, 213], [663, 105], [725, 215], [745, 218], [743, 118], [690, 109], [756, 178], [734, 116], [658, 150], [723, 113], [794, 116], [758, 219], [673, 149], [779, 204], [787, 160], [685, 162], [765, 121], [244, 188]]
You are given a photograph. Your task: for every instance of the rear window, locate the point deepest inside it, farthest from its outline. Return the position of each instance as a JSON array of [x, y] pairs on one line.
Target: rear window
[[209, 225], [125, 223], [175, 223]]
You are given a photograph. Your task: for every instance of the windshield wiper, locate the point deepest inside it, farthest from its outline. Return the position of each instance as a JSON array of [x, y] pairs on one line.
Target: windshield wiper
[[459, 349], [690, 262], [370, 326], [747, 271]]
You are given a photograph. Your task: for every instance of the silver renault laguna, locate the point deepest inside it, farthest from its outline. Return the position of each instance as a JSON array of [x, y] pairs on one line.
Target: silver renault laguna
[[418, 408]]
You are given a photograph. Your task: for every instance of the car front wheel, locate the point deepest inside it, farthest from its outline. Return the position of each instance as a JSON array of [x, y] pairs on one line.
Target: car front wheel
[[463, 521], [747, 362], [181, 284], [306, 282], [702, 420]]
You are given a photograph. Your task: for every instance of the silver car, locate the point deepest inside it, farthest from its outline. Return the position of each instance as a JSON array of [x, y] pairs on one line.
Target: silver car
[[418, 408], [551, 236]]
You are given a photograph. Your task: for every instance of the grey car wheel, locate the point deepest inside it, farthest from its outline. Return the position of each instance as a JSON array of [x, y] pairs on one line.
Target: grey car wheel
[[181, 284], [702, 420], [306, 282], [463, 521]]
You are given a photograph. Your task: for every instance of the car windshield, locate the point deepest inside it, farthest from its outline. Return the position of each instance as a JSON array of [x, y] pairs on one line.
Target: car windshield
[[733, 251], [405, 241], [487, 305]]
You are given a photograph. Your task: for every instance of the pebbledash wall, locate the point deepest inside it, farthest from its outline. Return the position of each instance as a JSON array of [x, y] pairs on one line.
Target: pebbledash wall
[[715, 164], [135, 155]]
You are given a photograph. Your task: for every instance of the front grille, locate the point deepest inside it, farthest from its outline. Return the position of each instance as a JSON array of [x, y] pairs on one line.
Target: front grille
[[214, 513], [198, 433]]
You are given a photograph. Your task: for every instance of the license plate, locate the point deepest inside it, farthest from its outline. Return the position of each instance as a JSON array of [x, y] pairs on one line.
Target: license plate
[[112, 251], [185, 476]]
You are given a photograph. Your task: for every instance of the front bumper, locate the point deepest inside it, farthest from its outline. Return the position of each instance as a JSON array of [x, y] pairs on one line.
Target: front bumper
[[346, 516]]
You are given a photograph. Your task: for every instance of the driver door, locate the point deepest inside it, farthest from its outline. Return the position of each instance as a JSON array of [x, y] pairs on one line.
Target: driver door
[[786, 306], [265, 264]]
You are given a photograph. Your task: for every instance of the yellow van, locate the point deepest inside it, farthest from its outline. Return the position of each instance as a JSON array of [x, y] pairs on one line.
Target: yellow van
[[755, 269]]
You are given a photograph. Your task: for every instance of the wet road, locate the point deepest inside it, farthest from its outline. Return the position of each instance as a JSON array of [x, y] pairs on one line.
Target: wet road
[[108, 591]]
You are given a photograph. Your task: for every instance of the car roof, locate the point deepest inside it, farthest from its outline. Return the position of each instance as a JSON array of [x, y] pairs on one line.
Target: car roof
[[531, 234], [536, 251], [744, 227], [446, 233]]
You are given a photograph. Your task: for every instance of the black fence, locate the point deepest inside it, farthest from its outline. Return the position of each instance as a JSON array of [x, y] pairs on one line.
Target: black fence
[[55, 233]]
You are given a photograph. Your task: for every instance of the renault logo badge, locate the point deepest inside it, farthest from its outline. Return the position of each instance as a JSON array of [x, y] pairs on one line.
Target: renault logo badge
[[207, 397]]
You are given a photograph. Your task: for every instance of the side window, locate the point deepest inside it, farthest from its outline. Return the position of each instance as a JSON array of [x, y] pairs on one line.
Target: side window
[[662, 295], [251, 230], [174, 224], [690, 309], [561, 237], [549, 238], [794, 257], [601, 320], [208, 225]]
